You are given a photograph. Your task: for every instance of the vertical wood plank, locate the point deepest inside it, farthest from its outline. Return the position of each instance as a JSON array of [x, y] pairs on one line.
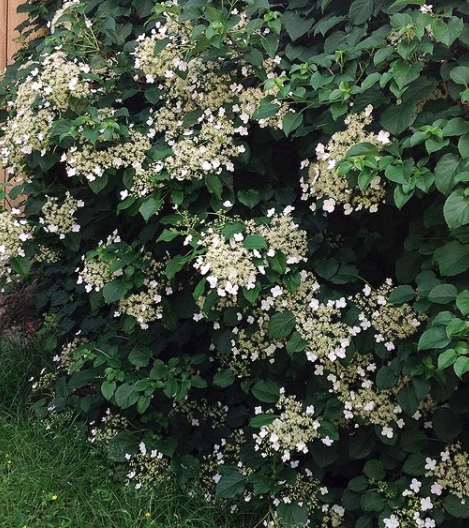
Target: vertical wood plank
[[9, 20], [3, 50], [14, 20]]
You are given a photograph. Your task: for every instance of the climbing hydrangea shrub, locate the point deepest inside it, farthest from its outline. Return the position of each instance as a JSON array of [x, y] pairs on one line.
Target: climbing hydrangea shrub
[[247, 227]]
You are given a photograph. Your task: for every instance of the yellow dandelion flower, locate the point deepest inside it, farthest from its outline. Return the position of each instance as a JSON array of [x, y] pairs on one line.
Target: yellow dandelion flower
[[54, 497], [148, 514]]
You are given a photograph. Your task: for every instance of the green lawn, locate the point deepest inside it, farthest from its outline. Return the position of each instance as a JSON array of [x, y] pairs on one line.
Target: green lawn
[[58, 481]]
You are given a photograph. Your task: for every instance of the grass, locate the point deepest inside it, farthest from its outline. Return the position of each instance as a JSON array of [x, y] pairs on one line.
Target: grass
[[59, 481]]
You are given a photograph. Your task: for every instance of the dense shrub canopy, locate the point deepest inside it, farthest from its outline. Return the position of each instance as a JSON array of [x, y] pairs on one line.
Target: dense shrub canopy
[[247, 226]]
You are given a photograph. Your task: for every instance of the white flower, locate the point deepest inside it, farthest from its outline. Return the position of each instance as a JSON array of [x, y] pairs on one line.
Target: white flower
[[276, 291], [430, 464], [426, 504], [383, 137], [124, 194], [426, 8], [387, 432], [391, 522], [329, 205], [436, 489], [227, 204], [415, 485]]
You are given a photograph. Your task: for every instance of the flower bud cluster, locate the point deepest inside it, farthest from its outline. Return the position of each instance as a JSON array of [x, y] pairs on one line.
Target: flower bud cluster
[[147, 468], [95, 273], [45, 92], [110, 425], [58, 216], [14, 231], [290, 432], [326, 187], [452, 471], [91, 163], [391, 322]]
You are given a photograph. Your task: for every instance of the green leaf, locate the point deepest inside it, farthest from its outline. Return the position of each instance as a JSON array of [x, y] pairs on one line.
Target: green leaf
[[394, 7], [126, 396], [168, 235], [452, 258], [461, 366], [372, 501], [121, 444], [446, 170], [113, 291], [21, 265], [407, 399], [149, 207], [231, 484], [402, 294], [415, 465], [99, 184], [224, 378], [293, 515], [291, 122], [463, 146], [255, 242], [249, 198], [456, 209], [174, 265], [397, 119], [360, 11], [267, 391], [446, 424], [462, 302], [386, 378], [140, 357], [281, 325], [443, 293], [265, 110], [460, 75], [296, 25], [447, 33], [447, 358], [433, 338], [214, 185], [108, 388], [262, 419], [454, 507], [374, 469]]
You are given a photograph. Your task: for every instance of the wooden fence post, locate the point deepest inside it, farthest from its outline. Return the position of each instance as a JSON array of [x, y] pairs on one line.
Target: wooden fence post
[[9, 20]]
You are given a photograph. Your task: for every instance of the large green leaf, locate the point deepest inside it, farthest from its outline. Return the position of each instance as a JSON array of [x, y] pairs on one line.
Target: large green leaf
[[452, 258], [456, 209], [281, 325], [360, 11]]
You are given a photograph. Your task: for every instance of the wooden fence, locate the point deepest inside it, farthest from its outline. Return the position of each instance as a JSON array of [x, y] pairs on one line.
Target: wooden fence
[[9, 20]]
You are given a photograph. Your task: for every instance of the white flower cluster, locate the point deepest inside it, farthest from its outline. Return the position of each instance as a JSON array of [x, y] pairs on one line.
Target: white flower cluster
[[14, 231], [451, 472], [227, 264], [418, 509], [391, 322], [147, 467], [58, 215], [290, 433], [45, 92], [56, 22], [95, 273], [326, 187], [91, 163], [206, 108], [145, 306], [282, 234]]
